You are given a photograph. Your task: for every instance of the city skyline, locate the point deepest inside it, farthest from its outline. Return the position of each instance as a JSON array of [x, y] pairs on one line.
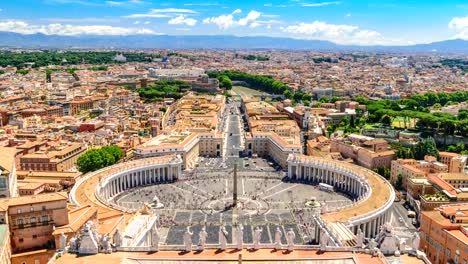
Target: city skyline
[[342, 22]]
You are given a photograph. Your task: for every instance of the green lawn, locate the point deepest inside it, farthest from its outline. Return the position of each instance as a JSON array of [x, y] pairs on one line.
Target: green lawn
[[245, 91], [399, 122]]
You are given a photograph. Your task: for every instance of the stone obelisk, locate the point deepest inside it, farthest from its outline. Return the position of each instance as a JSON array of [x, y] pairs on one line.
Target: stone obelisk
[[234, 191]]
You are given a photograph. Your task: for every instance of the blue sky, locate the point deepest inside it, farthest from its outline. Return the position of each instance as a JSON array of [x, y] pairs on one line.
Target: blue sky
[[345, 22]]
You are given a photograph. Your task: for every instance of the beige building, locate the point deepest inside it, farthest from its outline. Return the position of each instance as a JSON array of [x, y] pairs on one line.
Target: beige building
[[61, 157], [411, 168], [32, 219], [194, 133], [365, 151], [272, 134]]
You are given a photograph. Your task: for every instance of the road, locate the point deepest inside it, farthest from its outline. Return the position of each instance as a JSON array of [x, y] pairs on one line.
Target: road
[[233, 136]]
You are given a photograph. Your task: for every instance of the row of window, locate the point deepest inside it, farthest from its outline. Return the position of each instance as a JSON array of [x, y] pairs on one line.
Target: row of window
[[19, 211], [32, 220]]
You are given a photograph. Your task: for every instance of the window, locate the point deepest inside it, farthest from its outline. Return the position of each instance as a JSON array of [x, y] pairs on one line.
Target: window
[[447, 253], [32, 220], [19, 211], [19, 221], [45, 219], [20, 240], [34, 236], [32, 209]]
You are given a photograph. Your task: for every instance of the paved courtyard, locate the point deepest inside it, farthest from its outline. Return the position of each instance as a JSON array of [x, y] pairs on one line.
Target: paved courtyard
[[265, 201]]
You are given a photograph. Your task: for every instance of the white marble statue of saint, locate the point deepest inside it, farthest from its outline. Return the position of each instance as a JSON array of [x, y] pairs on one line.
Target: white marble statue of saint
[[278, 235], [222, 235], [290, 236], [256, 237], [324, 238], [117, 238], [240, 237], [62, 241], [105, 244], [188, 240], [372, 244], [202, 238], [155, 238], [359, 238], [73, 245], [416, 241]]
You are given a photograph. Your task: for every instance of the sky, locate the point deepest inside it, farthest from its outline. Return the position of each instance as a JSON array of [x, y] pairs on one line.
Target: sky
[[354, 22]]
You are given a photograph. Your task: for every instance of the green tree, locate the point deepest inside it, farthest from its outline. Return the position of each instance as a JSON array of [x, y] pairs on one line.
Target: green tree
[[95, 159], [386, 120], [225, 82], [425, 147], [399, 182]]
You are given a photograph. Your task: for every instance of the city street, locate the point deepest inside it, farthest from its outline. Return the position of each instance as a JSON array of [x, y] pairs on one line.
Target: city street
[[233, 135]]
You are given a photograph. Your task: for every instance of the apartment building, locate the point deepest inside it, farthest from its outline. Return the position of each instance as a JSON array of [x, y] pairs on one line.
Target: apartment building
[[445, 234], [52, 157], [365, 151], [411, 168], [192, 131], [32, 219], [272, 134]]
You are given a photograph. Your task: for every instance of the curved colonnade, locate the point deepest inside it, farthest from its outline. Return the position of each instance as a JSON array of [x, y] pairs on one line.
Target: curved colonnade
[[111, 181], [374, 195]]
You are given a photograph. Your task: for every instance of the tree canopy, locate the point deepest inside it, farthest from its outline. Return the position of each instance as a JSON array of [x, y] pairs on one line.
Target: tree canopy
[[164, 89], [95, 159]]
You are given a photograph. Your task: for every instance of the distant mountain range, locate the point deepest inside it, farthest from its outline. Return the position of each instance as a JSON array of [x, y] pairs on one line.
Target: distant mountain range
[[15, 40]]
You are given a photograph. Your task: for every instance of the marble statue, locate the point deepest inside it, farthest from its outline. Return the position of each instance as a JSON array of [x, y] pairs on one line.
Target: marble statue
[[146, 210], [105, 244], [324, 238], [188, 240], [240, 237], [62, 241], [202, 238], [290, 236], [402, 246], [256, 237], [89, 243], [222, 236], [73, 245], [359, 238], [117, 238], [155, 238], [416, 241], [387, 241], [372, 244], [278, 235]]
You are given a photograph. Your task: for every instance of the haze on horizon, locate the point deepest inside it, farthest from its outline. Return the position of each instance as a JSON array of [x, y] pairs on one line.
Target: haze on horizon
[[343, 22]]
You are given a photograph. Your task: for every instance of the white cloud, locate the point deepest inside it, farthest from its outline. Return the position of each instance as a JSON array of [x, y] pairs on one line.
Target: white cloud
[[320, 4], [266, 23], [136, 22], [181, 19], [146, 23], [162, 12], [348, 15], [343, 34], [226, 21], [460, 25], [222, 21], [1, 10], [22, 27], [251, 17]]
